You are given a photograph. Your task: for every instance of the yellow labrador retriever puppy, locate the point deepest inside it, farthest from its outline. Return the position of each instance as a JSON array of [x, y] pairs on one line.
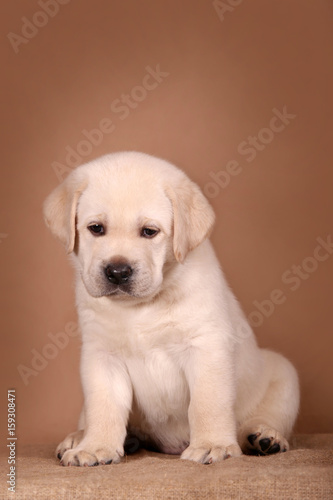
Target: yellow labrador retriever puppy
[[167, 354]]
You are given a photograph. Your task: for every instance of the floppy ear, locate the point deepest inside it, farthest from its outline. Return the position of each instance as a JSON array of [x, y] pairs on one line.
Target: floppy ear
[[192, 214], [60, 209]]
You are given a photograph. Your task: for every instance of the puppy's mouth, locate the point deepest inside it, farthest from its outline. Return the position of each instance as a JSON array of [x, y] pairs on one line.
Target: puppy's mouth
[[119, 291], [109, 290], [116, 287]]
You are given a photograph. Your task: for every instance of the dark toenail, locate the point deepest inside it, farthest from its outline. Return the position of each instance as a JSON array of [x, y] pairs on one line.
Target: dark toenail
[[274, 449], [108, 462], [251, 438], [264, 443], [256, 453], [59, 456], [284, 450]]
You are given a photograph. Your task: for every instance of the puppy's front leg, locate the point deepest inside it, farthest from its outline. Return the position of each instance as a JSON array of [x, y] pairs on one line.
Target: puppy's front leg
[[211, 415], [107, 402]]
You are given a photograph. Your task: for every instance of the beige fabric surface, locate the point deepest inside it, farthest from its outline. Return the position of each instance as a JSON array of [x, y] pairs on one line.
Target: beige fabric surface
[[305, 473]]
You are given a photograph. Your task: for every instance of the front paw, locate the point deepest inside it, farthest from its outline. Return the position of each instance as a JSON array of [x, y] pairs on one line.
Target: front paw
[[89, 456], [71, 441], [207, 454]]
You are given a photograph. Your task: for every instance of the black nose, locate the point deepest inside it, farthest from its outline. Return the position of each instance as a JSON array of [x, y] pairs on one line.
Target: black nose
[[118, 273]]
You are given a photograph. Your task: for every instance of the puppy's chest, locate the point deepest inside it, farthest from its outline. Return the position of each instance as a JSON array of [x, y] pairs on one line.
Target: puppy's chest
[[159, 384], [154, 350]]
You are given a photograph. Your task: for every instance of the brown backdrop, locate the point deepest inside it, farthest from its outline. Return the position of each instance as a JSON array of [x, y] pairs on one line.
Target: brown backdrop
[[199, 84]]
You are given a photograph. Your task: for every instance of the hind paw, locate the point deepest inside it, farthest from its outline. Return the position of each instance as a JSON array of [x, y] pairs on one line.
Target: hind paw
[[264, 440]]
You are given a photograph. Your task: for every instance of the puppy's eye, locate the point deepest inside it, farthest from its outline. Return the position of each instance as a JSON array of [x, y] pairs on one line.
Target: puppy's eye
[[96, 229], [148, 232]]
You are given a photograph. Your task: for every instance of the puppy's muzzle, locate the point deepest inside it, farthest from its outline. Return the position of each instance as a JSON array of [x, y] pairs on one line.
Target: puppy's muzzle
[[118, 273]]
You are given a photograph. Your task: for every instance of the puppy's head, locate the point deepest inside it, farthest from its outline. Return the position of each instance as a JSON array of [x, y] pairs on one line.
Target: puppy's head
[[127, 217]]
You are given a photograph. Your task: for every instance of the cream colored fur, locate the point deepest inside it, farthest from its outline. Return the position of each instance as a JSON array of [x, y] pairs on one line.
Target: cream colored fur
[[169, 358]]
